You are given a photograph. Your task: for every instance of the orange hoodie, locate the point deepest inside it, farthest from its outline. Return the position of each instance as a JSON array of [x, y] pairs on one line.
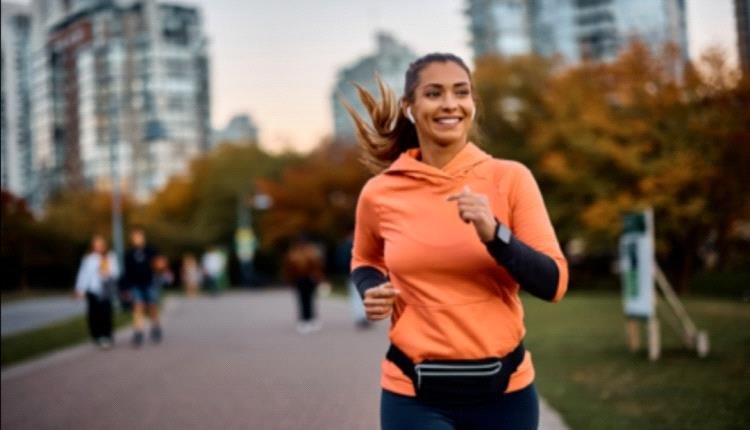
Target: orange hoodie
[[456, 302]]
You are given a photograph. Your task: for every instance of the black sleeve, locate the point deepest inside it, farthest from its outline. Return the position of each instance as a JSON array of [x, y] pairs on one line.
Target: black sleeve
[[366, 277], [534, 271]]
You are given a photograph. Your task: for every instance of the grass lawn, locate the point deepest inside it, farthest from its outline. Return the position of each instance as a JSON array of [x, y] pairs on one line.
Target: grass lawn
[[28, 344], [17, 295], [586, 372]]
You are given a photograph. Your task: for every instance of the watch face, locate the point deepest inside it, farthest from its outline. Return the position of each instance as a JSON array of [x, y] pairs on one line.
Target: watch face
[[503, 233]]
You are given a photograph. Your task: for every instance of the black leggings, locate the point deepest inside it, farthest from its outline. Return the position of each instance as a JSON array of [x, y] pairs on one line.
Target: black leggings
[[518, 410], [306, 298], [99, 316]]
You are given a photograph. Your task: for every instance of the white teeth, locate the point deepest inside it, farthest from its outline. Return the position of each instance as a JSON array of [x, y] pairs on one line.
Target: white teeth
[[448, 121]]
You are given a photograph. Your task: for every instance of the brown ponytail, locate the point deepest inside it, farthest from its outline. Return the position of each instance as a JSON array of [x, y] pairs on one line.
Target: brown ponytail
[[390, 132]]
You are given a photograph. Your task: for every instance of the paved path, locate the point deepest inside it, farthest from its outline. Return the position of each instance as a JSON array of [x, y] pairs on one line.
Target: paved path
[[234, 362], [29, 314]]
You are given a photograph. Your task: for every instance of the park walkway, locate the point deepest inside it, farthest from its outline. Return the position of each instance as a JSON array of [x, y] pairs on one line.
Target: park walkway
[[233, 362]]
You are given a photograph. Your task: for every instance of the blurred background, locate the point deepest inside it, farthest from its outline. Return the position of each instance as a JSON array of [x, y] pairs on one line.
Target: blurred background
[[219, 123]]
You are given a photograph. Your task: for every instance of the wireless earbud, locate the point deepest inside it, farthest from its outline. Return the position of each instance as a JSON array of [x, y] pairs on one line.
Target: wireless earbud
[[409, 114]]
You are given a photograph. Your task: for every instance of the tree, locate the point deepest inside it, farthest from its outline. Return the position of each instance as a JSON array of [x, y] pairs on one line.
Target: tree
[[199, 209], [316, 196], [607, 138]]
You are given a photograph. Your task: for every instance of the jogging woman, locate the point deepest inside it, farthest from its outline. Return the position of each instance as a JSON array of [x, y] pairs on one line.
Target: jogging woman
[[445, 237]]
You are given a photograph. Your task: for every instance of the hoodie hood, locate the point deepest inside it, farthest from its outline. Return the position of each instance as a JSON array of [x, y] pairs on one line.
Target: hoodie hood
[[408, 164]]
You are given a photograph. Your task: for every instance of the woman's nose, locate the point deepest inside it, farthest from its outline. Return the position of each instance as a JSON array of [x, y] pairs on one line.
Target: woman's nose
[[449, 102]]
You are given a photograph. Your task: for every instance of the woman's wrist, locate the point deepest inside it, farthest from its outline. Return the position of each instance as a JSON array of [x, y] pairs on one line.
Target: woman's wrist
[[490, 234]]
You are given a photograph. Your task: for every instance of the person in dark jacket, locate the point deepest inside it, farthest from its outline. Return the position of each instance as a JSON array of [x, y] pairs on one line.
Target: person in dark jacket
[[139, 280]]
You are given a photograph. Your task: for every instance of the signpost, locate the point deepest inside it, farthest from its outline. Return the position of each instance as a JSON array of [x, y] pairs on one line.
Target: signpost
[[639, 275], [637, 265]]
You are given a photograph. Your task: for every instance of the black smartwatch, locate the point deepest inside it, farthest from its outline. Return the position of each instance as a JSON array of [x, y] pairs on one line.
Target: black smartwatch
[[502, 234]]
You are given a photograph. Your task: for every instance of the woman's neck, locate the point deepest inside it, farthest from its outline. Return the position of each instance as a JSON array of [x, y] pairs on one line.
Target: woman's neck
[[437, 155]]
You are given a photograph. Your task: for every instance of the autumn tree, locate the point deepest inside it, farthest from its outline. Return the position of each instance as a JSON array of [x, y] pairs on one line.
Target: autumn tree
[[607, 138], [200, 208], [316, 196]]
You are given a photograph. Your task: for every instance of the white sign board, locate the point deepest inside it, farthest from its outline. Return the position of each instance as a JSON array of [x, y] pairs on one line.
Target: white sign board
[[636, 262]]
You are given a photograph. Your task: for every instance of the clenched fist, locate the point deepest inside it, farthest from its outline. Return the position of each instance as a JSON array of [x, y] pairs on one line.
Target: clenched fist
[[379, 301], [475, 208]]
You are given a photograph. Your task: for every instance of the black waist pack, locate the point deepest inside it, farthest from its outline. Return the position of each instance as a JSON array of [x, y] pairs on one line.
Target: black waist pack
[[458, 382]]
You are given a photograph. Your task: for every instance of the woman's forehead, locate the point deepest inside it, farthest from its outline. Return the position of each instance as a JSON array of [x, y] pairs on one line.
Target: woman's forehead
[[443, 74]]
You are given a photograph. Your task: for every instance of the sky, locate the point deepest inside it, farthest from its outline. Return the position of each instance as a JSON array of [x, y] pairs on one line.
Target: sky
[[277, 60]]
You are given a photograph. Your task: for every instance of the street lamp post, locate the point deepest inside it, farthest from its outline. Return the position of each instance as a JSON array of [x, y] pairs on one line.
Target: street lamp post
[[117, 237], [246, 242]]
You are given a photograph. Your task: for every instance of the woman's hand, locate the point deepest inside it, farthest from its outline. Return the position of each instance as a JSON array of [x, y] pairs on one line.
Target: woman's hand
[[379, 301], [475, 208]]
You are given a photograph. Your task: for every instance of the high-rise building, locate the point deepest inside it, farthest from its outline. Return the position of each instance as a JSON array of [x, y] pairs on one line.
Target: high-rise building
[[553, 32], [390, 60], [240, 128], [15, 137], [503, 27], [742, 16], [117, 83], [574, 29]]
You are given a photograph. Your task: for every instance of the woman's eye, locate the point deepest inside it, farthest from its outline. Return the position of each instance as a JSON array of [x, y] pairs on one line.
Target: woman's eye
[[463, 93], [432, 94]]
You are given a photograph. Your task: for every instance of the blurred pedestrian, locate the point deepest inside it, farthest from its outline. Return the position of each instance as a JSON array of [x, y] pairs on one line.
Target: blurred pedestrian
[[213, 263], [303, 267], [163, 276], [191, 275], [444, 239], [139, 279], [96, 281]]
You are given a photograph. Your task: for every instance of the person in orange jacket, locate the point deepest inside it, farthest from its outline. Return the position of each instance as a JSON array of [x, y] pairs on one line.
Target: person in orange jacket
[[445, 238], [303, 267]]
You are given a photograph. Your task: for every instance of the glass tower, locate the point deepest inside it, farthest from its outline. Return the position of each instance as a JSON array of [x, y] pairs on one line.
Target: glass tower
[[574, 29], [390, 61]]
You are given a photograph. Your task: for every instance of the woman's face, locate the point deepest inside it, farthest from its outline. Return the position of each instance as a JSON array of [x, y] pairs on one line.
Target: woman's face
[[443, 106], [99, 245]]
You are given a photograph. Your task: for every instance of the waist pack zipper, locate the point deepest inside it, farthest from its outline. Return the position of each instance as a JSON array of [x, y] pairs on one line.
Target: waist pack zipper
[[435, 366], [454, 370]]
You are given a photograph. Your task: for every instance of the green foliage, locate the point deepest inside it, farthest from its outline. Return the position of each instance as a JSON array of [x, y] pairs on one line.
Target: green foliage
[[200, 209], [46, 252]]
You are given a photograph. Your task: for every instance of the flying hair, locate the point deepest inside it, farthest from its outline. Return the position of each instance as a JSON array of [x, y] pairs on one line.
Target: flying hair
[[389, 132]]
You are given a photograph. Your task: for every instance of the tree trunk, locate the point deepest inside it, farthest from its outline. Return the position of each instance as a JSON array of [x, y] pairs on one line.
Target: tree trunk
[[687, 268], [722, 243]]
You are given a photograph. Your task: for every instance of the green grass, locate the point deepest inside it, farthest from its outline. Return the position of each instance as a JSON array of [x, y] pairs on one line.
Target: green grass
[[29, 344], [9, 296], [586, 372]]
